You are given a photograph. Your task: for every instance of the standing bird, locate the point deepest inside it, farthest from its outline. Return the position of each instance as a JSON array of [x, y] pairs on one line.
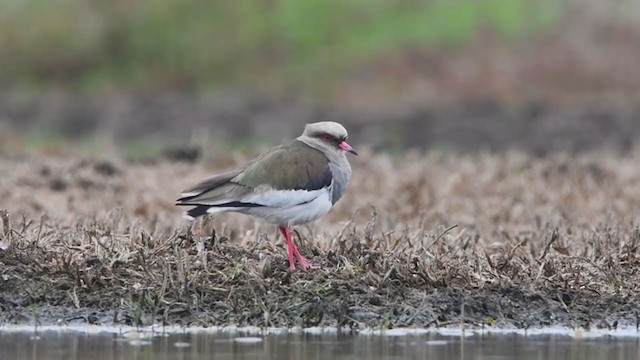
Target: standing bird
[[291, 184]]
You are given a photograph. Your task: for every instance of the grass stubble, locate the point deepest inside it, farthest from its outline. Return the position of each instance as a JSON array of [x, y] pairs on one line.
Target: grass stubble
[[514, 240]]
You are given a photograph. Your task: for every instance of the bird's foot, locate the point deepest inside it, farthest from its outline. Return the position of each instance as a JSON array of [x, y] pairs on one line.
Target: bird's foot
[[304, 264]]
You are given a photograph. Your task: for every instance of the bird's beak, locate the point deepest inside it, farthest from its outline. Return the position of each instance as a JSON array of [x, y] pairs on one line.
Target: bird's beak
[[346, 147]]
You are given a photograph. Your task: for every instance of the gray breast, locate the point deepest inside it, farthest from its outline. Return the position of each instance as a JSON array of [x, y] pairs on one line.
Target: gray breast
[[341, 170]]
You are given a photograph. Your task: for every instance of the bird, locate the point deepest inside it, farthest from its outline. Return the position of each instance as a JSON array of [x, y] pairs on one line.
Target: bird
[[291, 184]]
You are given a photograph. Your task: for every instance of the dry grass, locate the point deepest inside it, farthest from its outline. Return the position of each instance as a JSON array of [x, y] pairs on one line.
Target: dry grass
[[537, 242]]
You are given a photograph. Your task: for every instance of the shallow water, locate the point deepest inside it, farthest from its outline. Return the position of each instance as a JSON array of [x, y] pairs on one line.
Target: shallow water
[[134, 345]]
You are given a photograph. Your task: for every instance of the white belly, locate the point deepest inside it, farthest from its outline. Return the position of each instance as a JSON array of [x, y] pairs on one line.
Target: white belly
[[294, 215]]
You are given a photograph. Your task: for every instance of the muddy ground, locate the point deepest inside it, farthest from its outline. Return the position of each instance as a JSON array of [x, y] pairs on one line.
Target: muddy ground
[[501, 240]]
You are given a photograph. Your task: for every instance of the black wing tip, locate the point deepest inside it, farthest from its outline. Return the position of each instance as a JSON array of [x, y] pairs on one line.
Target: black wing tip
[[197, 211], [182, 199]]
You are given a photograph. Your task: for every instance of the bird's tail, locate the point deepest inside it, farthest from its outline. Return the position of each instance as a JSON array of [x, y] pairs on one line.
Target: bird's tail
[[200, 210], [197, 211]]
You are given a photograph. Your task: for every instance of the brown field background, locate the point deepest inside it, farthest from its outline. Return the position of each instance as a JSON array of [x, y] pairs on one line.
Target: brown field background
[[486, 192], [535, 76]]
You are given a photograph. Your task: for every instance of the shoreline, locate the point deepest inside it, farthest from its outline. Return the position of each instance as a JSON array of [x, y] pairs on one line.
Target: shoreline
[[156, 330]]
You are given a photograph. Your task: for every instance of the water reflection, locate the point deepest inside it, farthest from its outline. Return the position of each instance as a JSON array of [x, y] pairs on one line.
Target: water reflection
[[61, 345]]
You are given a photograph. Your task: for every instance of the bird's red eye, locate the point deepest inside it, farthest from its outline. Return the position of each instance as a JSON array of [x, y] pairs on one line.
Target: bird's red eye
[[326, 137]]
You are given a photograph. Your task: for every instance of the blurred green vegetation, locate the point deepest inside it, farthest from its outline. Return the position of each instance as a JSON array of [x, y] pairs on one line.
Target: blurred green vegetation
[[196, 45]]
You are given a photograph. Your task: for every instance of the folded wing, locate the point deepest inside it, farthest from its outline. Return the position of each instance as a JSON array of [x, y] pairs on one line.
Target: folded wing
[[286, 176]]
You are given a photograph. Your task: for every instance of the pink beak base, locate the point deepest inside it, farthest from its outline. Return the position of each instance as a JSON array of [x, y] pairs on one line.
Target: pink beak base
[[346, 147]]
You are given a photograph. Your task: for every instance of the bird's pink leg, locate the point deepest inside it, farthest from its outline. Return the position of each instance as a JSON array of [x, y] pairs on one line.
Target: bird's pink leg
[[286, 232], [293, 250]]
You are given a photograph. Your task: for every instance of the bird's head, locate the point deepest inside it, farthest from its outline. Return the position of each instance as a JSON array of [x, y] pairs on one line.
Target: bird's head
[[328, 136]]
